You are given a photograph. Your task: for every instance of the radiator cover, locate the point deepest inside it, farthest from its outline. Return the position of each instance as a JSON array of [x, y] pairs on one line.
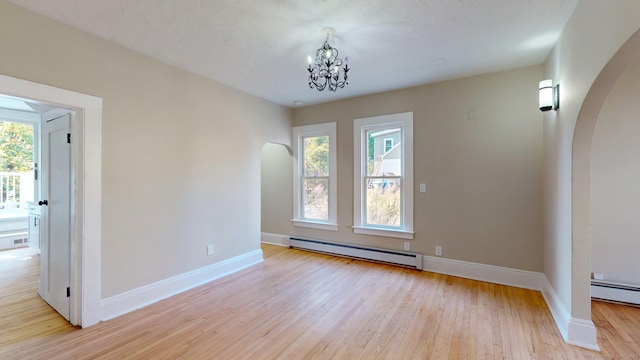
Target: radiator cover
[[401, 258], [613, 291]]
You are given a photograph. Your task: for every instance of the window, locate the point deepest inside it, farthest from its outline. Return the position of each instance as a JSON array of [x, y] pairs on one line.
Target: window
[[315, 193], [388, 144], [18, 158], [383, 176]]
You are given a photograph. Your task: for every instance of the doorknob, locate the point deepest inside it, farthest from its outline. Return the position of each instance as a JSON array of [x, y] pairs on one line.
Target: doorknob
[[43, 202]]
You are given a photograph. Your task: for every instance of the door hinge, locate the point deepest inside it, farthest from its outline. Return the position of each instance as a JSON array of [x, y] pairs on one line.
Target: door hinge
[[68, 292], [68, 138]]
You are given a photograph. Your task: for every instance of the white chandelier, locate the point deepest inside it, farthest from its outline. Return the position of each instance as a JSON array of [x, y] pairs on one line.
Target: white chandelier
[[325, 70]]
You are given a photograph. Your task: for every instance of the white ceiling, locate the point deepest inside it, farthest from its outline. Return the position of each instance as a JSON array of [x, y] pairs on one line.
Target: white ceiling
[[261, 46]]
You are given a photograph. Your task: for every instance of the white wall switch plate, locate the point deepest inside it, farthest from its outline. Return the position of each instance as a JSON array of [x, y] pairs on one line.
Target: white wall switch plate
[[209, 249], [423, 187]]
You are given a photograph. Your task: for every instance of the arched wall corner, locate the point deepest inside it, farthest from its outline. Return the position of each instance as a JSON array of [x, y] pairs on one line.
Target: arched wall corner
[[87, 152], [581, 175], [286, 146]]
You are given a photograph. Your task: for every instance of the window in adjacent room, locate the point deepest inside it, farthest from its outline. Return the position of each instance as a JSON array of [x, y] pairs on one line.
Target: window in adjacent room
[[315, 192], [17, 160], [383, 176]]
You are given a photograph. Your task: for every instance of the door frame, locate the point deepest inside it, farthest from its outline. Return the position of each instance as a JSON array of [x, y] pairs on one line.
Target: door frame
[[86, 153]]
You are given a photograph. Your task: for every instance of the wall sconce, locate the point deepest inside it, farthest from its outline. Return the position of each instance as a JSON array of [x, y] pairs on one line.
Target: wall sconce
[[548, 96]]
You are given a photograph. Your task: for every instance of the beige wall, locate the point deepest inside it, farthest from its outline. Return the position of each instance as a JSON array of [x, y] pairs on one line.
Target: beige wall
[[615, 190], [181, 154], [478, 146], [162, 126], [595, 31], [276, 188]]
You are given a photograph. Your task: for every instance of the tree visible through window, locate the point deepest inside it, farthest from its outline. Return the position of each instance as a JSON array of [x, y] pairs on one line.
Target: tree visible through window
[[16, 147], [315, 176], [16, 164]]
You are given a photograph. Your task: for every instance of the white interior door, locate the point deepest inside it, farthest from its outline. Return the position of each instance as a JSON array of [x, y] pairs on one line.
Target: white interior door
[[55, 204]]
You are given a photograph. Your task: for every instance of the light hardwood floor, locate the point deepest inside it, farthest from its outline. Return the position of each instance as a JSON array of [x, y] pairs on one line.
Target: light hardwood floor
[[302, 305]]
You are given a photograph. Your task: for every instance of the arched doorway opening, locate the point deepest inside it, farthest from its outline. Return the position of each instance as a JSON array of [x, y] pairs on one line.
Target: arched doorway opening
[[276, 177], [582, 168]]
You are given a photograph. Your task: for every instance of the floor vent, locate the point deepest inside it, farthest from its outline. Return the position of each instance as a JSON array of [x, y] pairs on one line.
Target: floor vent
[[20, 241], [401, 258], [618, 292], [13, 240]]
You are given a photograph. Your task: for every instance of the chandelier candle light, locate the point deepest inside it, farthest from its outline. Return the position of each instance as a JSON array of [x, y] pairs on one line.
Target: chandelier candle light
[[325, 69]]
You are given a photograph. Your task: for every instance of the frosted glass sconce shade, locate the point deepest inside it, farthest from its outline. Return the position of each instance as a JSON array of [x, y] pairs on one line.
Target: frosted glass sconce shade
[[548, 96]]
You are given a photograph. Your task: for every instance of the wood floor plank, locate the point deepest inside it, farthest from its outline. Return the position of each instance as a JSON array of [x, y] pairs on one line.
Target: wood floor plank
[[302, 305]]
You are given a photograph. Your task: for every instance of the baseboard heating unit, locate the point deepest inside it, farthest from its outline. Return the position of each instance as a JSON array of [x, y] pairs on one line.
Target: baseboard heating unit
[[612, 291], [401, 258]]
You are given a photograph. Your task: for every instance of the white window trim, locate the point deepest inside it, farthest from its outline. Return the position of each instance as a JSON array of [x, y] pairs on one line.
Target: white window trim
[[360, 126], [299, 132]]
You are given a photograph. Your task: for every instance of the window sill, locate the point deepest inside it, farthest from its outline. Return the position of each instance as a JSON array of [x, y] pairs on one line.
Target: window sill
[[401, 234], [315, 225]]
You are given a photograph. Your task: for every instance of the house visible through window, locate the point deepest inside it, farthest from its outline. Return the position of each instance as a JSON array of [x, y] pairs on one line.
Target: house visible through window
[[383, 187], [383, 178], [315, 176]]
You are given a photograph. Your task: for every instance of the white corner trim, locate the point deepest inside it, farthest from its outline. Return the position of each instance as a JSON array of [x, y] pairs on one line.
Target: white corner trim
[[494, 274], [274, 239], [583, 333], [145, 295], [574, 331]]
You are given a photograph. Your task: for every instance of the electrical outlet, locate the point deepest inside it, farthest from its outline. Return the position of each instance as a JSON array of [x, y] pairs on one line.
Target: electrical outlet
[[423, 187], [438, 250], [407, 245], [209, 249]]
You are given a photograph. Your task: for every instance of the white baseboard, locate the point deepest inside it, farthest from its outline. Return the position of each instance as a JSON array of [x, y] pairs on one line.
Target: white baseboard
[[274, 239], [481, 272], [137, 298], [574, 331], [558, 310]]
